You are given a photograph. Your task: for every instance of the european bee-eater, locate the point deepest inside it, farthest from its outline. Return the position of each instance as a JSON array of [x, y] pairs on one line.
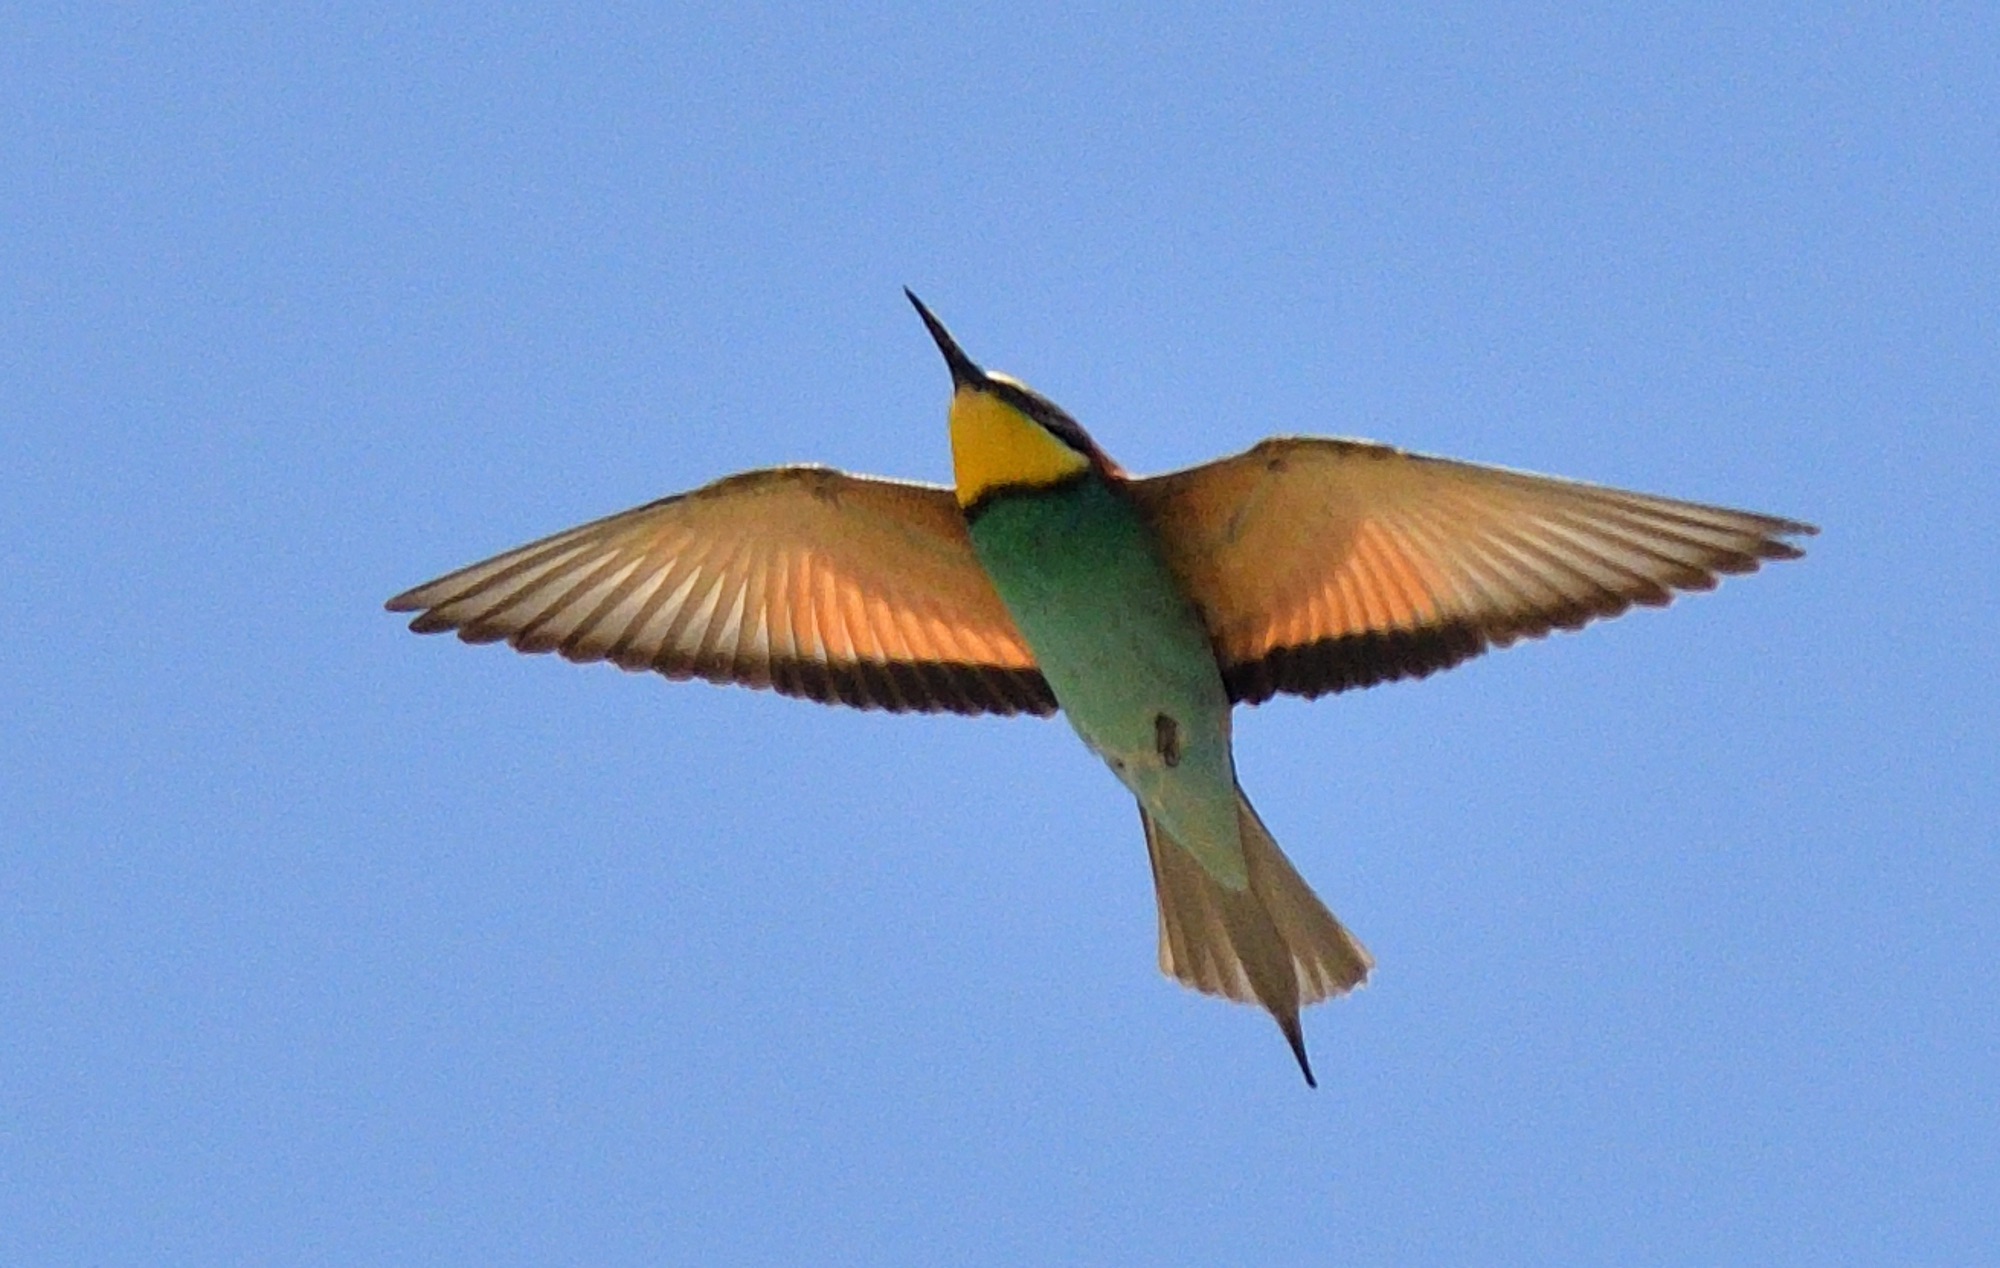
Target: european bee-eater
[[1144, 609]]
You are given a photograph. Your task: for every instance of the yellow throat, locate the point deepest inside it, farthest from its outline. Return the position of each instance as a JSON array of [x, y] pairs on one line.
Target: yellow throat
[[994, 445]]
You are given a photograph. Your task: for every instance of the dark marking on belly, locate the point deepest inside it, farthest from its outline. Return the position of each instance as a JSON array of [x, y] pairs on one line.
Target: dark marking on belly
[[1167, 738]]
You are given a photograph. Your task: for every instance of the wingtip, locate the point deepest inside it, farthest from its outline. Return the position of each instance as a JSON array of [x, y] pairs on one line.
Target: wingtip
[[1782, 528]]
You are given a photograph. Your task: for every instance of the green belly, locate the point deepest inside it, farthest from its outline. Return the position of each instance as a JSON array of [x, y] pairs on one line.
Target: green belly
[[1123, 649]]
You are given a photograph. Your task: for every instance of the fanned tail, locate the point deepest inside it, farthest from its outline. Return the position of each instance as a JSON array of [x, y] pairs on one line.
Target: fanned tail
[[1272, 943]]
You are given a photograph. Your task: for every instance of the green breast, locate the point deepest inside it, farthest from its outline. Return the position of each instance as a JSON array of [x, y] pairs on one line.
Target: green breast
[[1079, 571], [1120, 645]]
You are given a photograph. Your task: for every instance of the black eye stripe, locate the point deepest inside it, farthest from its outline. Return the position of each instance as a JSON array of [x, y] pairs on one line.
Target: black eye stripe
[[1046, 413]]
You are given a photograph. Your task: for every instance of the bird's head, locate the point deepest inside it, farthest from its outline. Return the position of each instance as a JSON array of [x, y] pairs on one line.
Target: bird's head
[[1005, 436]]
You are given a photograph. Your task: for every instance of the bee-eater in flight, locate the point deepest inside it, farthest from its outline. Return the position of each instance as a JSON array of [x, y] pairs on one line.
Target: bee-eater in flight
[[1143, 609]]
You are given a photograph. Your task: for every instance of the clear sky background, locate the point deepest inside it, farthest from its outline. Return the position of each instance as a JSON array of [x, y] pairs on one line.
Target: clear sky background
[[322, 943]]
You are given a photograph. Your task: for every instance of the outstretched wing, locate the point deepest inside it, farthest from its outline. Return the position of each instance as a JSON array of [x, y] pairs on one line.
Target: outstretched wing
[[1322, 565], [835, 587]]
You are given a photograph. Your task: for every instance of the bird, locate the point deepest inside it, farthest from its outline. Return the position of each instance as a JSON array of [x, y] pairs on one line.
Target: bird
[[1047, 579]]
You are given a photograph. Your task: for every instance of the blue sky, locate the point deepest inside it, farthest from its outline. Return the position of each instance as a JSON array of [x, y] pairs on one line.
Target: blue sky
[[321, 943]]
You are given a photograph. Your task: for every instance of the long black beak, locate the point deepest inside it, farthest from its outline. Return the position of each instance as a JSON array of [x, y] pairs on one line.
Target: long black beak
[[963, 372]]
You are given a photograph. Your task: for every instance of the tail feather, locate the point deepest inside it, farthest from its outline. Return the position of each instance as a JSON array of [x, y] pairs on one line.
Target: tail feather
[[1271, 943]]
